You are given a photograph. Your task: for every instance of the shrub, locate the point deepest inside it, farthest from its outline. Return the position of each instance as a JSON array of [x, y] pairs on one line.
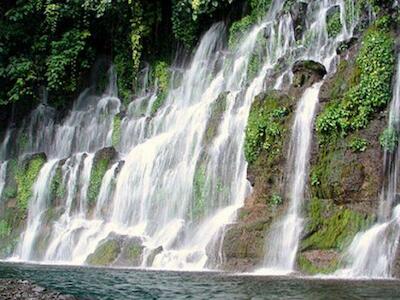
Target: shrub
[[358, 145]]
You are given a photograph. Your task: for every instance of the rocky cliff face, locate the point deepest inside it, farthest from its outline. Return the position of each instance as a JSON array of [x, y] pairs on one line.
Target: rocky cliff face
[[346, 167]]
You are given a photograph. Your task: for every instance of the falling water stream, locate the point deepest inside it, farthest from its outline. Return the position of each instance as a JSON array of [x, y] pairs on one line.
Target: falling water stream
[[284, 235], [170, 185], [372, 253]]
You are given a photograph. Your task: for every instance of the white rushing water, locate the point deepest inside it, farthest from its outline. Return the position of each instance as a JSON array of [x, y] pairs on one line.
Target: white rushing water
[[372, 253], [172, 184], [37, 206], [283, 238], [3, 173]]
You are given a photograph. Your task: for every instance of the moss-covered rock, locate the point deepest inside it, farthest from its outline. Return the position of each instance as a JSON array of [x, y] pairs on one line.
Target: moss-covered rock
[[106, 253], [131, 252], [116, 134], [162, 77], [329, 229], [369, 90], [243, 245], [216, 113], [26, 176], [267, 137], [298, 10], [103, 160], [118, 250], [333, 22], [307, 72]]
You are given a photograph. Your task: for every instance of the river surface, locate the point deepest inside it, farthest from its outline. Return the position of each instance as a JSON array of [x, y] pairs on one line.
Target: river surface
[[102, 283]]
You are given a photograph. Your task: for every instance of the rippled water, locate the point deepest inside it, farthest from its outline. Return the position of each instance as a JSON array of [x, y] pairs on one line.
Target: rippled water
[[97, 283]]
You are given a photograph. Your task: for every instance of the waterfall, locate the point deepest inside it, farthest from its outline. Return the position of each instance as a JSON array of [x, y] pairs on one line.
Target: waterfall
[[372, 253], [284, 235], [173, 186], [37, 206], [3, 173], [283, 239]]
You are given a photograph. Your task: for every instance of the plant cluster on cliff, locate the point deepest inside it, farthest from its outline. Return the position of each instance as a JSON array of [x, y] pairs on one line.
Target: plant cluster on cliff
[[51, 45]]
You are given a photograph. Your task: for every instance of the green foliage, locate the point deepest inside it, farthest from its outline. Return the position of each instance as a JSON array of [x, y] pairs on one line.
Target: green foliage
[[26, 178], [275, 200], [116, 134], [187, 17], [288, 5], [53, 44], [258, 9], [57, 187], [64, 59], [358, 145], [238, 29], [375, 62], [162, 77], [99, 168], [5, 229], [334, 25], [389, 139], [264, 128]]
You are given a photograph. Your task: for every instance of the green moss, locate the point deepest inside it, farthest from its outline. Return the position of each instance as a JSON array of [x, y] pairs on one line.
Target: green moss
[[99, 168], [116, 134], [275, 200], [133, 252], [265, 128], [258, 9], [217, 110], [199, 192], [331, 226], [105, 254], [238, 29], [26, 177], [308, 267], [370, 93], [334, 24], [389, 139], [162, 76], [5, 229], [57, 187]]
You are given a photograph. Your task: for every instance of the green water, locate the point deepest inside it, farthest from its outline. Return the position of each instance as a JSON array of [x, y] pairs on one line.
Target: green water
[[94, 283]]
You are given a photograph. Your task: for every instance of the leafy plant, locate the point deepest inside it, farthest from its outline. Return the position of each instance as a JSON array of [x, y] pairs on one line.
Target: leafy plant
[[275, 200], [358, 145], [389, 139], [368, 94]]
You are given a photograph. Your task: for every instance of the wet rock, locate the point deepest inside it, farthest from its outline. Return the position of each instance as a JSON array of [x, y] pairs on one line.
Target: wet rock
[[131, 252], [153, 253], [307, 72], [107, 153], [298, 11], [316, 261], [23, 289], [118, 250], [107, 252], [345, 45]]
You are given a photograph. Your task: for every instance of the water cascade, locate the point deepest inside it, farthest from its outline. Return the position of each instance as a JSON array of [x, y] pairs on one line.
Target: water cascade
[[3, 173], [172, 185], [284, 236], [372, 253]]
